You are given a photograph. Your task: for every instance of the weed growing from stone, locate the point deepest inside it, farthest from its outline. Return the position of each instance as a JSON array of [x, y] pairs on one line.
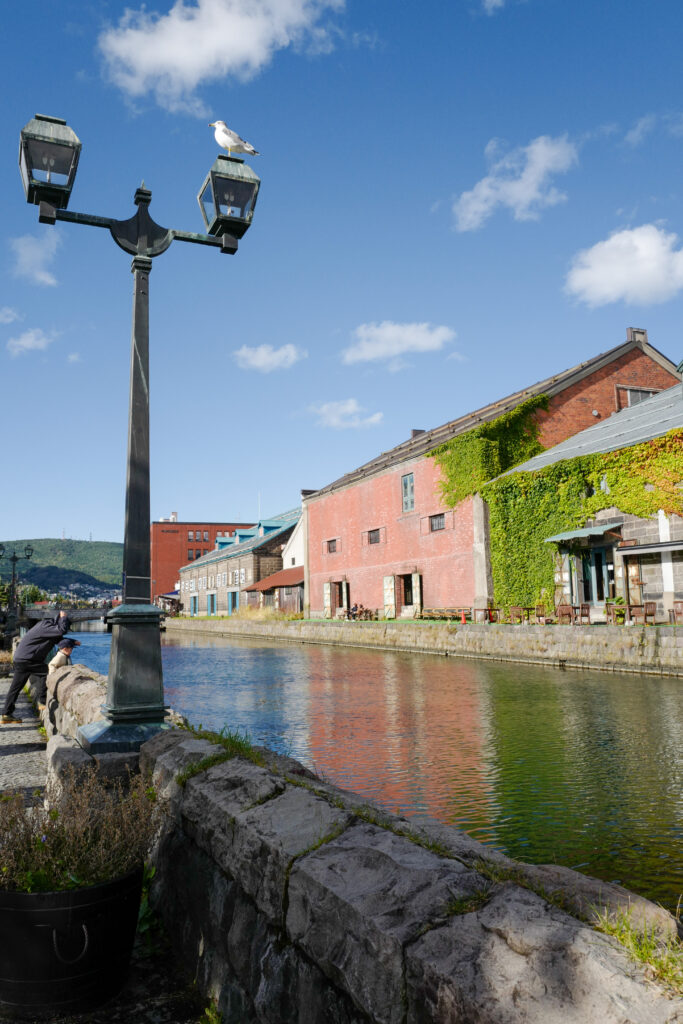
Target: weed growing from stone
[[662, 957], [88, 833], [234, 744]]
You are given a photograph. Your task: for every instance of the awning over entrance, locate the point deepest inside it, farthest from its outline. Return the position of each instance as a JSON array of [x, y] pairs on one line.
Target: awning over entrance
[[587, 531], [651, 549]]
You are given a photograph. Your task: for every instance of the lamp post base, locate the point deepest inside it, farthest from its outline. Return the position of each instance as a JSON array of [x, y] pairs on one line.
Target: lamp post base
[[117, 737], [135, 709]]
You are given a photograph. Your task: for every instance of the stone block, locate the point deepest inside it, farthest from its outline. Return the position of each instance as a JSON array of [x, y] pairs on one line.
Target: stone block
[[355, 903], [519, 960], [254, 825]]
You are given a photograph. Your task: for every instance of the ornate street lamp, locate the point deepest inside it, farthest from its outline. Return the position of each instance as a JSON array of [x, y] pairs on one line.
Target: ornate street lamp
[[135, 708], [48, 160], [14, 558], [228, 196]]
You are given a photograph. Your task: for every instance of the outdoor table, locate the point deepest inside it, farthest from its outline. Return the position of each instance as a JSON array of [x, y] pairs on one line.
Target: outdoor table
[[631, 608], [488, 614]]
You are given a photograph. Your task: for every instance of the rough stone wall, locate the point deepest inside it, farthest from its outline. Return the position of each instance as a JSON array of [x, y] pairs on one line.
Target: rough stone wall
[[651, 649], [291, 901]]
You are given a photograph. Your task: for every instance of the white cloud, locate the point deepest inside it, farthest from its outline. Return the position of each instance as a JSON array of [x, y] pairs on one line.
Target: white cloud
[[519, 180], [172, 54], [493, 5], [265, 358], [344, 414], [33, 340], [73, 357], [8, 315], [637, 265], [388, 340], [34, 255], [641, 129]]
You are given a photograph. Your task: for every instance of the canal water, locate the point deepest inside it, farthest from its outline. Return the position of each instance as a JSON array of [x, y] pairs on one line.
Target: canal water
[[583, 769]]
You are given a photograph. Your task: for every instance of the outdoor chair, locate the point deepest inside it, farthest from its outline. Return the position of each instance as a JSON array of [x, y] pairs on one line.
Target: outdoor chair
[[676, 614], [649, 612], [584, 613], [565, 614], [516, 614], [540, 616], [637, 613]]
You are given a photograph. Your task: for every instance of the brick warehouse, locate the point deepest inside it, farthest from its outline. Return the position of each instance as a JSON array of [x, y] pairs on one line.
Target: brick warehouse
[[173, 544], [382, 536]]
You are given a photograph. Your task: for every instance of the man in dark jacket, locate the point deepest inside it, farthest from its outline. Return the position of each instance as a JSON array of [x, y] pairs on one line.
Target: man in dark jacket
[[29, 657]]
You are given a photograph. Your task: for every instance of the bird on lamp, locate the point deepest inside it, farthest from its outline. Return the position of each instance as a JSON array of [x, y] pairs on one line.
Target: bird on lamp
[[230, 140]]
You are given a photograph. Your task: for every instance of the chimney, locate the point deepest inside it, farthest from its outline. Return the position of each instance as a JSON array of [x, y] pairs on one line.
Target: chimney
[[637, 334], [415, 432]]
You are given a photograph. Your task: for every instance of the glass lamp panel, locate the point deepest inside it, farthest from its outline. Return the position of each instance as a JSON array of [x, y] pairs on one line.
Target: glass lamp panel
[[234, 198], [206, 203], [49, 161]]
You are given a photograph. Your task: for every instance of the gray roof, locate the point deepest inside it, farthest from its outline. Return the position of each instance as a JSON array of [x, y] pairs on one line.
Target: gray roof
[[428, 440], [288, 520], [651, 418]]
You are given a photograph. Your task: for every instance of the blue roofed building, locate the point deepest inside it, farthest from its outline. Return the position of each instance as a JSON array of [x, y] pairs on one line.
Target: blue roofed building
[[214, 584]]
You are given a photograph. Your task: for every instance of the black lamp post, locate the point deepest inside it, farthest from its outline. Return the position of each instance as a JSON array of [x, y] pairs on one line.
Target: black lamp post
[[14, 558], [48, 159]]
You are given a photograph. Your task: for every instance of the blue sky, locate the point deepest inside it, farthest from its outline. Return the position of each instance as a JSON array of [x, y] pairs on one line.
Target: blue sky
[[458, 198]]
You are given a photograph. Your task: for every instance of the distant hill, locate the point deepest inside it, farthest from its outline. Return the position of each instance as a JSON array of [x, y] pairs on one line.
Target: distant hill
[[58, 564]]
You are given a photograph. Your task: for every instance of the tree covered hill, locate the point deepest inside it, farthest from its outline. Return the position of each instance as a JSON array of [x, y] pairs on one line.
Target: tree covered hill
[[56, 564]]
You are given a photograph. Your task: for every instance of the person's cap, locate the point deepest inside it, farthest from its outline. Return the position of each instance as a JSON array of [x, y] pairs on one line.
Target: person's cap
[[68, 642]]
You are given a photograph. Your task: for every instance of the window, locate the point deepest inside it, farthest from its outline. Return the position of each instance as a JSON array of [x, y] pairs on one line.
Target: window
[[331, 547], [408, 492], [437, 523], [294, 561], [190, 554], [206, 535], [197, 553], [190, 534], [637, 395], [373, 536]]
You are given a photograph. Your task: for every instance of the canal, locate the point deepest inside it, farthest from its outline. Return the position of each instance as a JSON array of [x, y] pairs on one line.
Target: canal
[[583, 769]]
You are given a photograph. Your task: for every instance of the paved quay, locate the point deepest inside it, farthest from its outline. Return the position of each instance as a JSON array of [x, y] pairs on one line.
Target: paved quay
[[154, 993], [23, 763]]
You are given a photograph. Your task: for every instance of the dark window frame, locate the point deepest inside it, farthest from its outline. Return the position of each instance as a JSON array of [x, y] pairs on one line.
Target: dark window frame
[[437, 522], [374, 536], [331, 546]]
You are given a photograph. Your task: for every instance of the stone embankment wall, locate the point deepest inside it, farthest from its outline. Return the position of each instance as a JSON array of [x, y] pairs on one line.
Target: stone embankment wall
[[290, 901], [656, 650]]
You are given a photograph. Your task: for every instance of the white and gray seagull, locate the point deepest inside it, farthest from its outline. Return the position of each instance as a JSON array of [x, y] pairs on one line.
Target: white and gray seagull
[[230, 140]]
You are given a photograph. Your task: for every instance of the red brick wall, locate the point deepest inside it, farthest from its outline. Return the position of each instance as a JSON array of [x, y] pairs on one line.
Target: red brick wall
[[572, 410], [442, 558], [169, 545]]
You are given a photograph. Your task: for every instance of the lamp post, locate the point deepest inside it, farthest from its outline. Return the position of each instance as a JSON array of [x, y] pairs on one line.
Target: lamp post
[[48, 159], [14, 558]]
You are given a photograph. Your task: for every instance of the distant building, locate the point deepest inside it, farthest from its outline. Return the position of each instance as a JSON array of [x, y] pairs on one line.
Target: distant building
[[213, 584], [173, 544], [382, 534]]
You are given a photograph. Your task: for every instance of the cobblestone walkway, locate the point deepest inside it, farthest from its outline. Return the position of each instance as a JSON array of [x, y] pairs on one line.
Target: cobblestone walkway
[[23, 765], [154, 992]]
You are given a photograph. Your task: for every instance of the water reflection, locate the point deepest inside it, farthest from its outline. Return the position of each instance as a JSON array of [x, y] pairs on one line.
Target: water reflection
[[585, 769]]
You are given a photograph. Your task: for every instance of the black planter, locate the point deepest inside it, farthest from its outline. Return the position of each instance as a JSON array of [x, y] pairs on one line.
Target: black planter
[[66, 951]]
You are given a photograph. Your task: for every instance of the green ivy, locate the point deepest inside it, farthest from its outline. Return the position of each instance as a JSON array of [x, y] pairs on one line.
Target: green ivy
[[525, 508], [468, 461]]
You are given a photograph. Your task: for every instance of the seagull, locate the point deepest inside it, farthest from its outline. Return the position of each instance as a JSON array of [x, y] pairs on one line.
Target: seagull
[[230, 140]]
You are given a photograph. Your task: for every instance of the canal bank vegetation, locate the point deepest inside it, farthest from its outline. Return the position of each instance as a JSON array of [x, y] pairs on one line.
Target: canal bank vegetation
[[233, 743], [662, 957]]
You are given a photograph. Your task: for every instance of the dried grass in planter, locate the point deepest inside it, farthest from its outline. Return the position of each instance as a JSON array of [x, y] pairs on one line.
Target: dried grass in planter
[[88, 833]]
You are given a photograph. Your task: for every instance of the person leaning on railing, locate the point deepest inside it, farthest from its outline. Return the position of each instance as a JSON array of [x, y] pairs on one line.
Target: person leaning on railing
[[29, 658]]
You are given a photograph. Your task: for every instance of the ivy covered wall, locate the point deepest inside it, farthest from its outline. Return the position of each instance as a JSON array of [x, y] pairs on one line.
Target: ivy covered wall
[[469, 460], [525, 508]]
